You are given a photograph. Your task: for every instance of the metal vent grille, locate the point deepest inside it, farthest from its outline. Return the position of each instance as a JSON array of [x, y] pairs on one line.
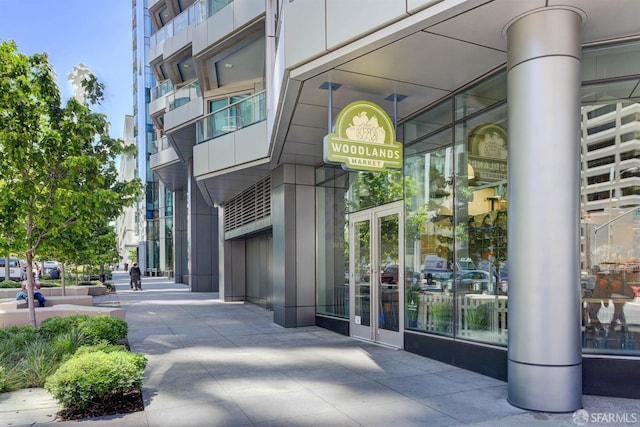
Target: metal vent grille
[[250, 206]]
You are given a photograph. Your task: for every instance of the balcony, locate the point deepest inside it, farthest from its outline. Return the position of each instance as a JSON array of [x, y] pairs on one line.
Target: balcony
[[166, 164], [194, 15], [158, 102], [183, 105], [232, 138], [234, 117]]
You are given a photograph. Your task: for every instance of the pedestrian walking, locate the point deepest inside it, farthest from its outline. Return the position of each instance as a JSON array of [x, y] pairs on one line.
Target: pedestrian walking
[[136, 277]]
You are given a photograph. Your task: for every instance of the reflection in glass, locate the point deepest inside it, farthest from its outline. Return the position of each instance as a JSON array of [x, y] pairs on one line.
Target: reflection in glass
[[332, 259], [362, 279], [388, 256], [429, 234], [371, 189], [481, 284], [610, 221]]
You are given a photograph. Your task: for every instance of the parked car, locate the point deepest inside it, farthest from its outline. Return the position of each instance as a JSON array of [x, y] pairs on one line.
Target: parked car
[[17, 269], [436, 280], [473, 281], [390, 275], [48, 266]]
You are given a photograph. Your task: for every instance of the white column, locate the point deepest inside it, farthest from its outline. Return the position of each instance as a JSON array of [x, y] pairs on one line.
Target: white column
[[545, 352]]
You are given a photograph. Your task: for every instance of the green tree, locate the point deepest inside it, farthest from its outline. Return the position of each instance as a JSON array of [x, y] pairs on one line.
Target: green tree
[[57, 162]]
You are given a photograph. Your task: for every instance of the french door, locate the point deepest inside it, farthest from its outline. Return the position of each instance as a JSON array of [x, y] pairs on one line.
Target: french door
[[376, 266]]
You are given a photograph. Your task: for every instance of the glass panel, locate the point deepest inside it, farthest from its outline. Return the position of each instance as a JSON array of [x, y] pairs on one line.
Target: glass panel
[[481, 96], [333, 250], [362, 276], [610, 222], [214, 6], [388, 257], [370, 189], [428, 122], [480, 284], [429, 234], [248, 111], [610, 61]]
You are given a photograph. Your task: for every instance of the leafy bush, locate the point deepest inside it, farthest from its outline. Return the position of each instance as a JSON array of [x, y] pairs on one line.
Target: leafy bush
[[15, 338], [92, 377], [96, 329], [61, 325], [70, 341], [30, 355], [10, 284], [105, 328]]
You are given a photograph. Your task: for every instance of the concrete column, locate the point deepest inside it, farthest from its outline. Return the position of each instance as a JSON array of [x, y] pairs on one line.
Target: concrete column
[[294, 273], [203, 242], [545, 352], [180, 261]]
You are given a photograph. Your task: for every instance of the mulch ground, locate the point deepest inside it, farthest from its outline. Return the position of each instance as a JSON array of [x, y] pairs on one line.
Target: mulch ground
[[120, 404]]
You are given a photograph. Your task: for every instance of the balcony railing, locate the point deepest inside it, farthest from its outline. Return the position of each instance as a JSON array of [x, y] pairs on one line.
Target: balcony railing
[[160, 145], [161, 90], [215, 6], [183, 95], [231, 118], [195, 14]]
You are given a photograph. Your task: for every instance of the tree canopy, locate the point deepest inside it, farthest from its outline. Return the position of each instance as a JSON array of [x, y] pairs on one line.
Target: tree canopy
[[58, 175]]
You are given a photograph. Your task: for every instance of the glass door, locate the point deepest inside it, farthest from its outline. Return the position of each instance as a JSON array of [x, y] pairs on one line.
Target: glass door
[[377, 275]]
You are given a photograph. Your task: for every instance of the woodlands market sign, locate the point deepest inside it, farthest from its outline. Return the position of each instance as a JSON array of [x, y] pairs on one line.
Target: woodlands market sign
[[364, 139]]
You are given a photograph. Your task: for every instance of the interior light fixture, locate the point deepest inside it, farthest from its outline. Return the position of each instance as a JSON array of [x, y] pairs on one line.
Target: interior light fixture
[[227, 65]]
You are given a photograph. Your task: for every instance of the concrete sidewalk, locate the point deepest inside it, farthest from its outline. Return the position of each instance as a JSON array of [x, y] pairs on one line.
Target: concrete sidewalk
[[227, 364]]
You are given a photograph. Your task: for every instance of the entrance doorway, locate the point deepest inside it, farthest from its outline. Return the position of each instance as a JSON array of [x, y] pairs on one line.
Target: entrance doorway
[[376, 266]]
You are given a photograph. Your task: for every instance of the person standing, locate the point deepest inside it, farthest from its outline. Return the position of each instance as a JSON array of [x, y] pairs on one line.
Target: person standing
[[136, 277]]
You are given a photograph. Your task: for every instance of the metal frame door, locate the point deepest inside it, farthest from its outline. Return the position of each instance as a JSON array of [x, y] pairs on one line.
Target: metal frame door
[[377, 308]]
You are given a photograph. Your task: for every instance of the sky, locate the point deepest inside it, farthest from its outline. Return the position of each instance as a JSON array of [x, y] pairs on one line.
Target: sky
[[96, 33]]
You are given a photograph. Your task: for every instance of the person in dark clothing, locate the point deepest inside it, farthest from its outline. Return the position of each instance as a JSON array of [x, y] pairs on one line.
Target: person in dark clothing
[[136, 274]]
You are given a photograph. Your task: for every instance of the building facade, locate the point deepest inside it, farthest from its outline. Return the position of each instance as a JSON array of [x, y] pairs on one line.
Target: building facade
[[454, 178], [154, 217], [126, 224]]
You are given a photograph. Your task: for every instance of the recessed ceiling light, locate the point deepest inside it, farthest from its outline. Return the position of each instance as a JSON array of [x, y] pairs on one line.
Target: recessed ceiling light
[[228, 65]]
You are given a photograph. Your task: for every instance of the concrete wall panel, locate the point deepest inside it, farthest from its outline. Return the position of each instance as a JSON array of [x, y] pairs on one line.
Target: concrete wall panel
[[305, 31], [348, 20], [251, 143], [246, 11]]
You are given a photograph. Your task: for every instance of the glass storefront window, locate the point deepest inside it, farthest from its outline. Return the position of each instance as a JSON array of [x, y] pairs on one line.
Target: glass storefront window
[[456, 219], [333, 251], [429, 234], [481, 227], [370, 189], [454, 185], [485, 94], [610, 220]]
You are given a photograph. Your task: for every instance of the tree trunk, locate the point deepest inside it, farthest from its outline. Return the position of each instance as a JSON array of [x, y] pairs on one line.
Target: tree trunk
[[30, 282], [62, 281]]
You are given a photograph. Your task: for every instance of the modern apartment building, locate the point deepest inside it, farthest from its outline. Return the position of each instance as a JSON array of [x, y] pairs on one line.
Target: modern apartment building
[[431, 175], [154, 216], [127, 224]]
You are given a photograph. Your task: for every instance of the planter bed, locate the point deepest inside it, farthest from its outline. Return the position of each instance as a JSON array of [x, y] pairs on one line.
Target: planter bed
[[19, 316]]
